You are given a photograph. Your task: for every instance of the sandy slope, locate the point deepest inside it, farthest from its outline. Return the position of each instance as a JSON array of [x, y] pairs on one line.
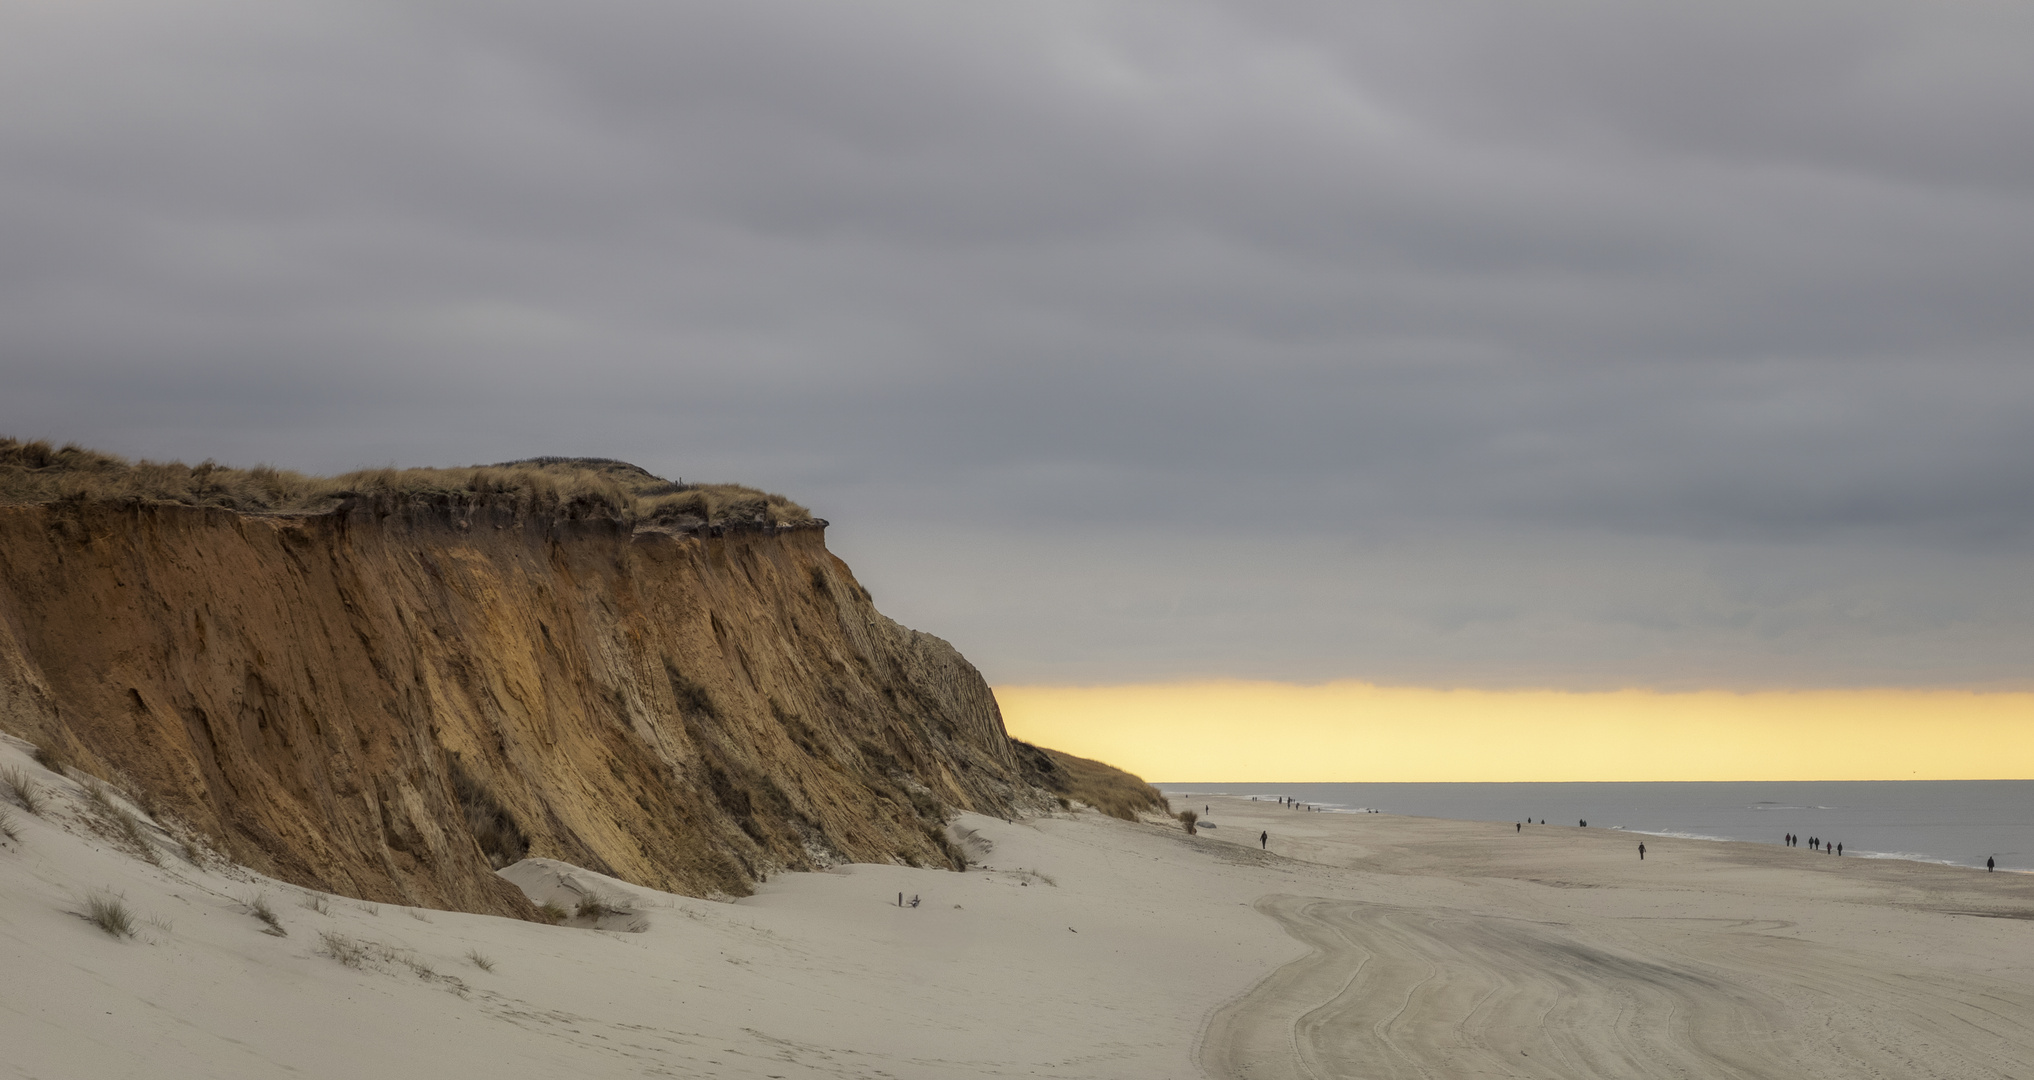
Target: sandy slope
[[1358, 946]]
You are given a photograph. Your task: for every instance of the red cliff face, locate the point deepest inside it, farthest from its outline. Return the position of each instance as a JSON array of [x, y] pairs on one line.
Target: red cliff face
[[392, 699]]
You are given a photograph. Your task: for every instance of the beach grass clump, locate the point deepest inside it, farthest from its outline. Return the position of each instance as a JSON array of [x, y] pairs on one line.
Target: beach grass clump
[[7, 826], [49, 757], [1189, 818], [109, 912], [480, 960], [259, 907], [26, 793], [36, 472], [598, 906], [315, 902], [552, 912], [348, 951], [133, 835]]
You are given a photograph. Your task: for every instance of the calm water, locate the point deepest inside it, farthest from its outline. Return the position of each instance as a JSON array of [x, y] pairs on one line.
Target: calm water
[[1959, 822]]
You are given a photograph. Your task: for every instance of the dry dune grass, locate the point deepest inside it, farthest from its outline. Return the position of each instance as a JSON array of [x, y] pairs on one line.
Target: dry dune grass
[[36, 472], [1104, 787]]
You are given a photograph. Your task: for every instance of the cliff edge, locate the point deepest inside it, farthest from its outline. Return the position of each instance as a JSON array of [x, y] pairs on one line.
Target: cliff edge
[[395, 692]]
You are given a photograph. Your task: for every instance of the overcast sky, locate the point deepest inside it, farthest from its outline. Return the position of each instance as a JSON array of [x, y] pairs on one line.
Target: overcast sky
[[1481, 344]]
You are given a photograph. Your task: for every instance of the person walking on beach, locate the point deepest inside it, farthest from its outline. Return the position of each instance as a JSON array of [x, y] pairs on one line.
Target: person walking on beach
[[1988, 864], [1642, 852], [1518, 826], [1264, 840], [1839, 850]]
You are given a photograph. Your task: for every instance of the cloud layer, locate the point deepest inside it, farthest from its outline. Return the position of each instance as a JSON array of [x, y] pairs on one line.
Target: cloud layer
[[1474, 344]]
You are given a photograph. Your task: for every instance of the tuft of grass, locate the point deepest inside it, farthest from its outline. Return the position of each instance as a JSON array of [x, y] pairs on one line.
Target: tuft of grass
[[344, 949], [258, 906], [480, 960], [36, 472], [162, 923], [49, 757], [419, 914], [596, 906], [21, 789], [7, 828], [131, 832], [98, 796], [192, 853], [315, 902], [109, 913], [1189, 818], [552, 913]]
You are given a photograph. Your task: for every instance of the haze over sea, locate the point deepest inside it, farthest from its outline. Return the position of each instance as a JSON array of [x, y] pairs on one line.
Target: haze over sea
[[1957, 822]]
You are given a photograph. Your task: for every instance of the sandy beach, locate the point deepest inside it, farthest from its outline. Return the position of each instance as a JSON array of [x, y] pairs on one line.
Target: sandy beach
[[1083, 946]]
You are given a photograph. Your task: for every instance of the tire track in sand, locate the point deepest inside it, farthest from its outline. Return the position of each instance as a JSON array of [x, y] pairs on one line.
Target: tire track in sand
[[1393, 992]]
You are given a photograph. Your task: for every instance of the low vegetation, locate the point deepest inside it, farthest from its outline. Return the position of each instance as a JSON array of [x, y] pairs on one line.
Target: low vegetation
[[259, 907], [1190, 819], [552, 912], [1105, 787], [596, 906], [383, 957], [480, 960], [48, 756], [315, 902], [36, 472], [26, 793], [109, 913], [7, 828]]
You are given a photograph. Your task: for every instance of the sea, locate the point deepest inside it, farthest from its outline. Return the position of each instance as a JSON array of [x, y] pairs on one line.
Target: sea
[[1953, 822]]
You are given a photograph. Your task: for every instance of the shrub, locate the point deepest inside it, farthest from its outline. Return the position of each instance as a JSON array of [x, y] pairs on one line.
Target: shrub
[[109, 913], [1188, 818]]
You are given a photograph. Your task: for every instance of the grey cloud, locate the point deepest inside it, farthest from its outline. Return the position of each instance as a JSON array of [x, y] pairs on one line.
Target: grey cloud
[[1565, 344]]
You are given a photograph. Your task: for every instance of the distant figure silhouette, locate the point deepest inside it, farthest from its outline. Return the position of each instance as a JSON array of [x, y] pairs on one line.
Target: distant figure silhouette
[[1642, 853], [1839, 849], [1584, 824], [1264, 840], [1988, 864], [1519, 826]]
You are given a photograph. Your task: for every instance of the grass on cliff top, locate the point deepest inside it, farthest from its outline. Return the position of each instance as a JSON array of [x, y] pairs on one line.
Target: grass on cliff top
[[36, 472], [1104, 787]]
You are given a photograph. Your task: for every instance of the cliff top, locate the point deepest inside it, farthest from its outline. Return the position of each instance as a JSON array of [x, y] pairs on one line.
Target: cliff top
[[35, 472]]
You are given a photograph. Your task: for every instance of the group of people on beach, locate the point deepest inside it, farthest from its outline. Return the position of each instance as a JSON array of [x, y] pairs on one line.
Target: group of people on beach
[[1816, 843]]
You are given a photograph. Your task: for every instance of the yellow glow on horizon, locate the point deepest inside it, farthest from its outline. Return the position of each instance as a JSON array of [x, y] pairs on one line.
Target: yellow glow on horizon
[[1350, 731]]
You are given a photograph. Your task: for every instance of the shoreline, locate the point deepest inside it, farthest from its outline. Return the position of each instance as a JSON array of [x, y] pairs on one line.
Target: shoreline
[[1909, 826]]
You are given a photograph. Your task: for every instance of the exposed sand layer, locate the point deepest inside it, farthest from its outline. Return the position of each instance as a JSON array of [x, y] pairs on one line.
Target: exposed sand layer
[[1079, 947]]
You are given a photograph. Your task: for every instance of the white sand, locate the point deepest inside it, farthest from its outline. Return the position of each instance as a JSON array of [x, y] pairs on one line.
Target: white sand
[[1093, 948]]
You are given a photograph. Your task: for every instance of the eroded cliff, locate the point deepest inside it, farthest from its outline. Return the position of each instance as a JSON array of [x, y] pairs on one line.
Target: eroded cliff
[[390, 698]]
